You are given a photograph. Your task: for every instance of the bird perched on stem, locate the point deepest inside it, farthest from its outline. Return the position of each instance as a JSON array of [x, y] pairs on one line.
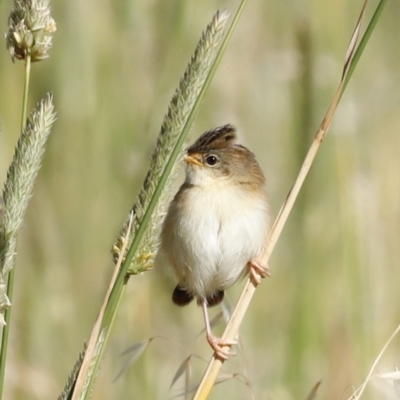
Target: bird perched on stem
[[217, 224]]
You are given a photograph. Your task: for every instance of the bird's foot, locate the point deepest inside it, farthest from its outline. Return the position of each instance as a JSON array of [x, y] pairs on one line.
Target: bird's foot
[[218, 345], [258, 271]]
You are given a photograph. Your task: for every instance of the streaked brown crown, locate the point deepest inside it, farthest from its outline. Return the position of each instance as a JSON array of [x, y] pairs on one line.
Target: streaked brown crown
[[215, 139], [234, 160]]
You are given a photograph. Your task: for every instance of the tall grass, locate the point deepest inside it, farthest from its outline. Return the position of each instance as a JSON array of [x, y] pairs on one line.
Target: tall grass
[[331, 302]]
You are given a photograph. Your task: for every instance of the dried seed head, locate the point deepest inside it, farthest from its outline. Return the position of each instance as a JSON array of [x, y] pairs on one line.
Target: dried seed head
[[30, 30]]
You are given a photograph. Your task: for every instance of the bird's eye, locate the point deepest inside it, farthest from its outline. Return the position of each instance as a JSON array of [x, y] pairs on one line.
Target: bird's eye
[[211, 160]]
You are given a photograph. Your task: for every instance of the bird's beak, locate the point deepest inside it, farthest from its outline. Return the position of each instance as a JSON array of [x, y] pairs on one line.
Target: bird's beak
[[193, 160]]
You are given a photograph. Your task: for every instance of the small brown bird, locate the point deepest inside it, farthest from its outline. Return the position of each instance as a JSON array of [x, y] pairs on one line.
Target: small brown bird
[[217, 224]]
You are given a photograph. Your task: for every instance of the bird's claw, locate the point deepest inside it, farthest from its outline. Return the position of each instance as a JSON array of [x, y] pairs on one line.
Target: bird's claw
[[258, 271], [218, 344]]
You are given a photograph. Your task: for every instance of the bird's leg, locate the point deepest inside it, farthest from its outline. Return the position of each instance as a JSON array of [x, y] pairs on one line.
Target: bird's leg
[[258, 271], [216, 344]]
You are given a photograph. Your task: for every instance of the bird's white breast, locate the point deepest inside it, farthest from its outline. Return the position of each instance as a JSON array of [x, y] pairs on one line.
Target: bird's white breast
[[219, 229]]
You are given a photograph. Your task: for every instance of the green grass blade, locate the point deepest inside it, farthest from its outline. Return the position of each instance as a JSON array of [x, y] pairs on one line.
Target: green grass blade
[[122, 278], [364, 40]]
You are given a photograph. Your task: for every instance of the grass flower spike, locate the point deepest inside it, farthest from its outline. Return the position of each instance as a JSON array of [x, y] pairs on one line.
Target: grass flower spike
[[18, 187], [174, 121], [30, 30]]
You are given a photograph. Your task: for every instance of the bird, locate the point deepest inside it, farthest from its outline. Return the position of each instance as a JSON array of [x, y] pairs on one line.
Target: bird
[[217, 224]]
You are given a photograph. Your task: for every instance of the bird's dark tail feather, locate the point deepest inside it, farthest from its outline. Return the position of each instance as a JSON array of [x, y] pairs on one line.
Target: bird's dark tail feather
[[215, 299], [182, 297]]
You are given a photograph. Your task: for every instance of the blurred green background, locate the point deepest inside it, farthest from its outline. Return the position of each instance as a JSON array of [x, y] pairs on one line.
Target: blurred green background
[[333, 299]]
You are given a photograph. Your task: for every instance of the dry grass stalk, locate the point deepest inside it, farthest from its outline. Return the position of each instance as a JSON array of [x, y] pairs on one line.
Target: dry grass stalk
[[232, 328], [357, 394], [133, 248], [90, 353]]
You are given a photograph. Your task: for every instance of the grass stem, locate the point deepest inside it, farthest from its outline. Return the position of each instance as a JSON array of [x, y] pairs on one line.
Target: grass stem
[[353, 53], [11, 274]]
